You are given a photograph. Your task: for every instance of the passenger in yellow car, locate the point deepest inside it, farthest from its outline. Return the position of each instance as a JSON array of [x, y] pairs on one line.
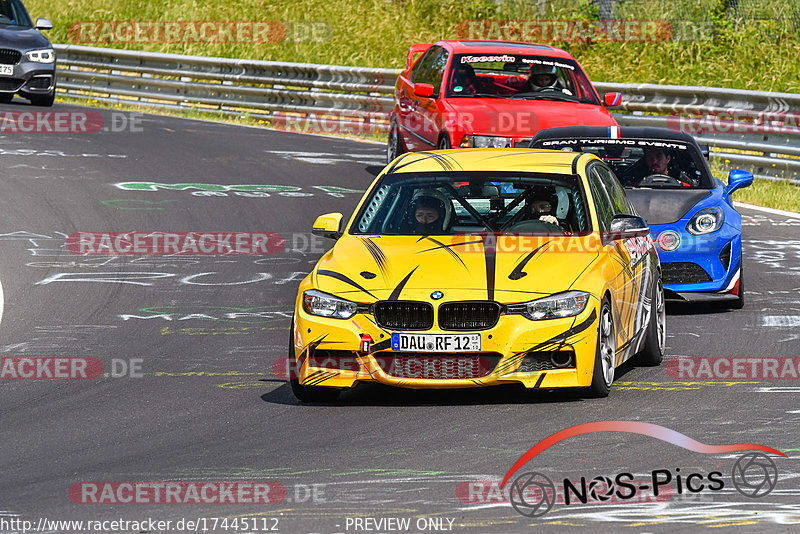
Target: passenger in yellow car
[[543, 207]]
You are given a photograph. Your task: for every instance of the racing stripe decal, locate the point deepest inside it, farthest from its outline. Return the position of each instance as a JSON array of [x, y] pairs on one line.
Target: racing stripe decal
[[396, 293], [505, 155], [557, 340], [490, 254], [447, 248], [518, 273], [396, 165], [377, 254], [307, 351], [326, 375], [381, 345], [511, 364], [447, 163], [734, 281], [345, 279], [539, 382], [597, 255]]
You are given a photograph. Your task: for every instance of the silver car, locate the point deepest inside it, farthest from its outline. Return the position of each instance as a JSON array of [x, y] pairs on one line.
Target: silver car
[[27, 59]]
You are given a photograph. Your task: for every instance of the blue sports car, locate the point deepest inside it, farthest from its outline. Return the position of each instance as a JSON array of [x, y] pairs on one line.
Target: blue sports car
[[690, 212]]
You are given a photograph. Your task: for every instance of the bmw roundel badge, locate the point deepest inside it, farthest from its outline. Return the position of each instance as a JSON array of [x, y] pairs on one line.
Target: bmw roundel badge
[[437, 295]]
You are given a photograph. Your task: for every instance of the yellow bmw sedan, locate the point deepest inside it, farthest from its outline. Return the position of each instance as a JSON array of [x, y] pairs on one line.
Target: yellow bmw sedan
[[476, 268]]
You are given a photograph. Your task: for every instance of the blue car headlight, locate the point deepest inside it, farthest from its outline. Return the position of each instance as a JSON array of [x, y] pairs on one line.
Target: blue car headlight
[[324, 305], [568, 304], [706, 221]]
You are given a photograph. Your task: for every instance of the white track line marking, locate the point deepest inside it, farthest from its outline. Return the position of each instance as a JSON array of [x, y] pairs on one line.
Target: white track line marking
[[766, 210]]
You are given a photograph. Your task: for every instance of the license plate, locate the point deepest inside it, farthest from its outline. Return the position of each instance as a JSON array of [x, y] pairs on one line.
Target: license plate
[[6, 70], [436, 342]]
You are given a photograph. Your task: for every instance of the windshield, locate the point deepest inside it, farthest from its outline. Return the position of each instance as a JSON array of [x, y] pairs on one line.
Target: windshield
[[14, 13], [518, 76], [469, 202], [640, 163]]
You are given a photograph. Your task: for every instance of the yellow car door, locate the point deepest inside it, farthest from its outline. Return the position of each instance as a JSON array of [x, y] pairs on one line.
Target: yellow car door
[[625, 278]]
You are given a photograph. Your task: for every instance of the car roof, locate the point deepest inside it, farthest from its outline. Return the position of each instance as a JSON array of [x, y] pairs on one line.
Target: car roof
[[491, 159], [622, 132], [483, 46]]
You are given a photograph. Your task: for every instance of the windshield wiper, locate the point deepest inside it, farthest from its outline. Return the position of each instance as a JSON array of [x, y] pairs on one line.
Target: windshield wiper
[[545, 96], [484, 95]]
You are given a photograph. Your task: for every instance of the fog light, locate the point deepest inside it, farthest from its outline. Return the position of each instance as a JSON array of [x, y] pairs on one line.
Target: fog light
[[669, 240]]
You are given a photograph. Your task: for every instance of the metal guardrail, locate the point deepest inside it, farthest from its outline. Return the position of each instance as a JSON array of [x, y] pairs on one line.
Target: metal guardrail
[[227, 85], [747, 121]]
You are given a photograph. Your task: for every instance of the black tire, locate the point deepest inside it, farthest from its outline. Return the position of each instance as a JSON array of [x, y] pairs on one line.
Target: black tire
[[653, 351], [309, 393], [444, 142], [602, 376], [44, 101], [394, 145], [5, 98]]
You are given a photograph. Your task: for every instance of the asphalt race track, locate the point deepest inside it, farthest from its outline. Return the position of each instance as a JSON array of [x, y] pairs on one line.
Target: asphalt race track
[[196, 340]]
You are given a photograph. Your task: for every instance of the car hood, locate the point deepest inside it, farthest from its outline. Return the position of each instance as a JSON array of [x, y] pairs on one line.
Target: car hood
[[665, 206], [523, 118], [506, 269], [19, 38]]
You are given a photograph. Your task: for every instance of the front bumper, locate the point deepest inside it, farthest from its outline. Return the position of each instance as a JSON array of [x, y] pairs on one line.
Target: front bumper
[[703, 266], [327, 352], [30, 78]]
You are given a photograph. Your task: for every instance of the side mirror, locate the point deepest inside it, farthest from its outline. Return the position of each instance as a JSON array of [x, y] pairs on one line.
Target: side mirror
[[612, 99], [328, 225], [626, 227], [425, 90], [43, 24], [738, 179]]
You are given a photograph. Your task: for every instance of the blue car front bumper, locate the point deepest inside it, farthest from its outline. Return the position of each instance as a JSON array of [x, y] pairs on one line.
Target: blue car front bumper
[[705, 266]]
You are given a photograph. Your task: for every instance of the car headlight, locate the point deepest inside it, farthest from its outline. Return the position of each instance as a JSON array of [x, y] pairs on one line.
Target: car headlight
[[46, 55], [706, 221], [486, 141], [324, 305], [568, 304]]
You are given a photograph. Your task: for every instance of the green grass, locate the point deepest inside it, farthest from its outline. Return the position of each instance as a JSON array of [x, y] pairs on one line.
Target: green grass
[[779, 195], [377, 33]]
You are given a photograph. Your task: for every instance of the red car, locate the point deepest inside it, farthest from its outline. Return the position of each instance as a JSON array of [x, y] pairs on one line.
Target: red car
[[490, 94]]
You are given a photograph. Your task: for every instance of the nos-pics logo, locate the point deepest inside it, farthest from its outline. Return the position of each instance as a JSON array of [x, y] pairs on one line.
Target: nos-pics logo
[[533, 494]]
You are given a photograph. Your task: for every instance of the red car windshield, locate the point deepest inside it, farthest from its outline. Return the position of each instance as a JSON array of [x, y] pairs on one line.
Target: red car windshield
[[518, 76]]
